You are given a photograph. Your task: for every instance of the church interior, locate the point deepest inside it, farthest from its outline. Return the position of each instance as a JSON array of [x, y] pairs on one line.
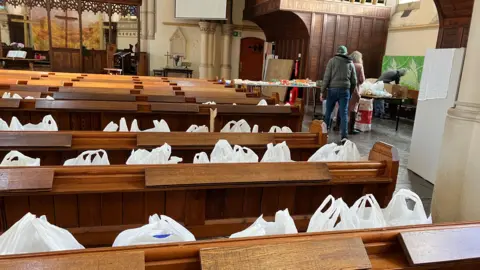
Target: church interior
[[239, 134]]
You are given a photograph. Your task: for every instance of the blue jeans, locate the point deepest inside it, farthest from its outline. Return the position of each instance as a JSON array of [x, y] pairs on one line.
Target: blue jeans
[[342, 96]]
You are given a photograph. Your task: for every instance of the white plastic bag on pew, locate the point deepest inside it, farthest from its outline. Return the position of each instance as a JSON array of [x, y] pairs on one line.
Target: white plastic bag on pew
[[222, 152], [333, 152], [262, 102], [201, 158], [3, 125], [283, 224], [111, 127], [7, 95], [336, 217], [159, 126], [195, 128], [158, 230], [239, 127], [275, 129], [398, 212], [159, 155], [243, 155], [369, 217], [278, 153], [87, 158], [31, 234], [47, 124], [17, 159]]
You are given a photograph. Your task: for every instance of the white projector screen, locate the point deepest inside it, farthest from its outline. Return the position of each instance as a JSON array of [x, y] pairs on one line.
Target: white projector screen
[[201, 9]]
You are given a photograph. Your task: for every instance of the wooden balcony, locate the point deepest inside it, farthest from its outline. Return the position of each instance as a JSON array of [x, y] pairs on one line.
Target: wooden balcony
[[365, 8]]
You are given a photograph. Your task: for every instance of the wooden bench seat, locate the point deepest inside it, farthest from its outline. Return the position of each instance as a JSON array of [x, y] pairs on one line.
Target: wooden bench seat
[[54, 148], [95, 115], [97, 202], [384, 250]]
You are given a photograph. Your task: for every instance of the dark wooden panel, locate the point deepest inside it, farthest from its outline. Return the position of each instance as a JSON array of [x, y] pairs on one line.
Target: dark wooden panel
[[66, 211], [92, 96], [175, 205], [232, 174], [253, 109], [112, 209], [43, 205], [89, 210], [167, 107], [167, 99], [34, 139], [86, 105], [195, 207], [15, 208], [133, 208], [327, 254], [437, 247]]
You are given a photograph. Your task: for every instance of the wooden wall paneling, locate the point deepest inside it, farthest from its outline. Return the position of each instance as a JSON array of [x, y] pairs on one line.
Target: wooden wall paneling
[[215, 204], [270, 201], [252, 202], [66, 211], [133, 208], [195, 207], [286, 198], [175, 205], [42, 205], [112, 209], [89, 210], [16, 207], [454, 18], [154, 203], [466, 31], [302, 206], [234, 199]]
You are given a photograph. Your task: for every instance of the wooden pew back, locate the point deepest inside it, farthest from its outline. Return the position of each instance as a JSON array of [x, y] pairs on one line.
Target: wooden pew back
[[95, 203]]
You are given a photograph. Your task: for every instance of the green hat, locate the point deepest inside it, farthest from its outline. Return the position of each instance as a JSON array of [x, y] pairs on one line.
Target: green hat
[[342, 50]]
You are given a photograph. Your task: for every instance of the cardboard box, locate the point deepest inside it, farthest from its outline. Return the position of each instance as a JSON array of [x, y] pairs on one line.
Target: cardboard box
[[399, 91]]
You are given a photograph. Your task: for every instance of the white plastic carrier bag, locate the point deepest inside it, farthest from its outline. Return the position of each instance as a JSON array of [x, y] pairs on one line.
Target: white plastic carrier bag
[[200, 158], [369, 216], [243, 155], [237, 126], [87, 158], [47, 124], [31, 235], [262, 102], [398, 212], [195, 128], [160, 229], [111, 127], [159, 155], [336, 217], [278, 153], [17, 159], [159, 126], [222, 152], [283, 224], [333, 152], [276, 129], [3, 125]]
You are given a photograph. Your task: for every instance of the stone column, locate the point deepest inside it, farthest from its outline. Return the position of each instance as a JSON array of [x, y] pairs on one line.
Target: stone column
[[150, 18], [211, 50], [203, 68], [226, 68], [456, 193]]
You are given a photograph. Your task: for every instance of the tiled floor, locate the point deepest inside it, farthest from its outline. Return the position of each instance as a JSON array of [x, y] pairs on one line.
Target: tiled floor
[[384, 130]]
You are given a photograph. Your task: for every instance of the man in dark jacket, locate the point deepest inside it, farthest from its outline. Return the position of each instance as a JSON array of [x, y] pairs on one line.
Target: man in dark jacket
[[339, 79], [387, 77]]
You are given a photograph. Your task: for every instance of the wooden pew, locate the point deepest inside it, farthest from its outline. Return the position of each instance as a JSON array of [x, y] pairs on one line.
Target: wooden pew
[[442, 248], [54, 148], [95, 115], [95, 203]]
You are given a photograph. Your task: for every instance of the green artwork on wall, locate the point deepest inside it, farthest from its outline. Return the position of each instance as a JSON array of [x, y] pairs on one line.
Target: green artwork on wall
[[413, 65]]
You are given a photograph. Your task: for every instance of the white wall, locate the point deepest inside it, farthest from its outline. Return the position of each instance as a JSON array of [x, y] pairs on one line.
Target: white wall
[[411, 42], [124, 42], [158, 47], [414, 34]]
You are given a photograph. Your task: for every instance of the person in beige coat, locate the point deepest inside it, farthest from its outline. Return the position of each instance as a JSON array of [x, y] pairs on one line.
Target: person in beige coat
[[355, 97]]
